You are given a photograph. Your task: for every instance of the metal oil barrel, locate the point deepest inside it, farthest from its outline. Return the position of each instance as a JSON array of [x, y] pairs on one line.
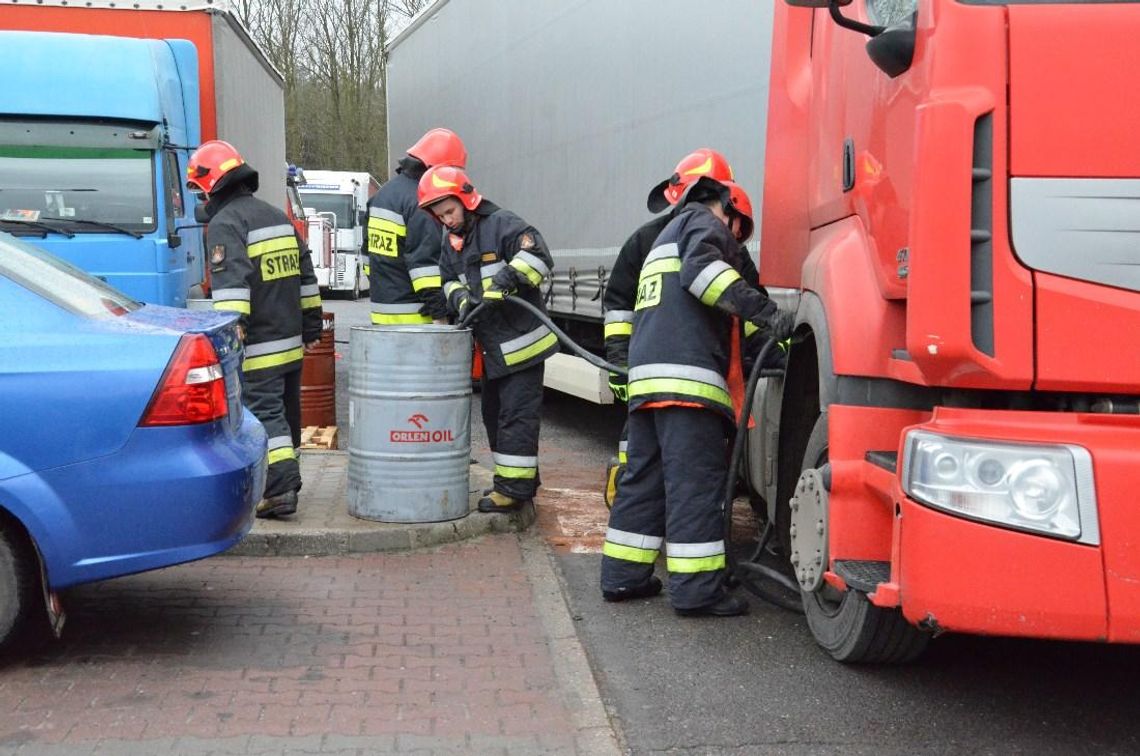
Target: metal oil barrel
[[409, 423], [318, 378]]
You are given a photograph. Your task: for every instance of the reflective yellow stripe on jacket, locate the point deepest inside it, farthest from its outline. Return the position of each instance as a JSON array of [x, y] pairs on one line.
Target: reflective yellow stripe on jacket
[[618, 323], [269, 354], [528, 346], [310, 296], [426, 277], [679, 380], [231, 300], [711, 282], [398, 314]]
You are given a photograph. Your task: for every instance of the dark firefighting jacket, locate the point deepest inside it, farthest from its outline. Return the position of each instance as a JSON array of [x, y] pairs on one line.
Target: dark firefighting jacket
[[621, 288], [260, 269], [512, 338], [689, 288], [402, 249]]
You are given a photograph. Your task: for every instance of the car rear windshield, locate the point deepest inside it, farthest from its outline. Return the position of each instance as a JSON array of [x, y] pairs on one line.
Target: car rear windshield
[[59, 282]]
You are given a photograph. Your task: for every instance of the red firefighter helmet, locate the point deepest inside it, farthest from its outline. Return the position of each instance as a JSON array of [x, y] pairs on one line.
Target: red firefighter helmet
[[737, 201], [442, 181], [212, 161], [702, 162], [440, 147]]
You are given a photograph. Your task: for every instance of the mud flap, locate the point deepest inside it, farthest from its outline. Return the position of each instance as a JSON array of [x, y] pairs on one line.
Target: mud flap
[[53, 607]]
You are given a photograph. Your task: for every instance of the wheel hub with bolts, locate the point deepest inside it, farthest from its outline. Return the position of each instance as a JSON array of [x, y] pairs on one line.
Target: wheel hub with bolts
[[808, 530]]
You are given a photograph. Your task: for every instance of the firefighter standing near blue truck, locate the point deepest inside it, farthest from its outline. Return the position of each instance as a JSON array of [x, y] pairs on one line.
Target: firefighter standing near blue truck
[[685, 390], [262, 271], [402, 245], [486, 254]]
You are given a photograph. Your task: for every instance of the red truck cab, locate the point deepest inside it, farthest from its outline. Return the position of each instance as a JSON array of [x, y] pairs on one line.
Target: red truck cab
[[951, 205]]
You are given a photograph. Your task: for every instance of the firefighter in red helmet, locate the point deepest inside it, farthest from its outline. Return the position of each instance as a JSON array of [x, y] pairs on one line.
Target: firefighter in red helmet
[[621, 287], [402, 246], [261, 270], [685, 390], [488, 252]]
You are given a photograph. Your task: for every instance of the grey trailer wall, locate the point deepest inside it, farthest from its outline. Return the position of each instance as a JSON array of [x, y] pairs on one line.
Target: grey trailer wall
[[572, 110], [251, 107]]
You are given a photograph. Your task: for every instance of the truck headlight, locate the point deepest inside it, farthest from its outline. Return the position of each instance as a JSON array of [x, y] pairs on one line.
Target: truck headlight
[[1044, 489]]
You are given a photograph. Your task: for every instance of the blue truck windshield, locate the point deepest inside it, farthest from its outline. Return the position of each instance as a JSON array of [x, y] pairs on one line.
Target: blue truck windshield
[[69, 185], [338, 204]]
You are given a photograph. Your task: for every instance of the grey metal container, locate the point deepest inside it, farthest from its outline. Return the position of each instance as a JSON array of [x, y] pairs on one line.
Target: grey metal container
[[409, 423]]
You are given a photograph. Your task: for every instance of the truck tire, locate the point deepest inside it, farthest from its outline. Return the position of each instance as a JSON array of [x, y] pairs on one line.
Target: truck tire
[[846, 625], [19, 588]]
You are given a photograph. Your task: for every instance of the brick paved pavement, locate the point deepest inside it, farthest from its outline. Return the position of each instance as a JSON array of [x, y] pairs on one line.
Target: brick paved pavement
[[449, 650]]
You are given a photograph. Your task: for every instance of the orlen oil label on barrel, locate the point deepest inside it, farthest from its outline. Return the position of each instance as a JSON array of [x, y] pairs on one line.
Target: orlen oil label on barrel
[[422, 433]]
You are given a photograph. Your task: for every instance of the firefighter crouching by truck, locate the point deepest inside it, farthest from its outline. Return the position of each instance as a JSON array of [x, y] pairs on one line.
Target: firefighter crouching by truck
[[402, 245], [621, 289], [686, 384], [487, 253], [260, 270]]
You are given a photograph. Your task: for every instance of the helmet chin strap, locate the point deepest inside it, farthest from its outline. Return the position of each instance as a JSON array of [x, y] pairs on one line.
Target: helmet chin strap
[[734, 225]]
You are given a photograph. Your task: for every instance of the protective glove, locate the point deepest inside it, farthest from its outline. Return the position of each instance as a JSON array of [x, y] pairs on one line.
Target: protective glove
[[505, 281], [619, 384], [780, 325], [435, 306], [463, 310]]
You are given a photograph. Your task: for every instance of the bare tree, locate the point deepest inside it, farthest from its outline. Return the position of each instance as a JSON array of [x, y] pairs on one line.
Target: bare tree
[[332, 55]]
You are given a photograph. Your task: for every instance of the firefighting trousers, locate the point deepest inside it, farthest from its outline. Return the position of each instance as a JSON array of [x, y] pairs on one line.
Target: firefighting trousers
[[670, 496], [275, 400], [512, 409]]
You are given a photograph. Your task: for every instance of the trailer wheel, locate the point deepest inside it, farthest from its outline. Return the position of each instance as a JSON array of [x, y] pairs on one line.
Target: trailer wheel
[[845, 624], [19, 588]]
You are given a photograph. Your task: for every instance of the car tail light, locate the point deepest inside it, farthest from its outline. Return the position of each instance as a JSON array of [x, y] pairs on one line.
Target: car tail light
[[193, 388]]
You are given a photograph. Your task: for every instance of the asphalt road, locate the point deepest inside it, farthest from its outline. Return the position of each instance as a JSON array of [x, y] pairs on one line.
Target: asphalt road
[[758, 684]]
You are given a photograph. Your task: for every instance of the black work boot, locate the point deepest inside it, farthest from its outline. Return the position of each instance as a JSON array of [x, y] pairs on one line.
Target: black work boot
[[648, 589], [727, 606], [497, 502], [281, 505]]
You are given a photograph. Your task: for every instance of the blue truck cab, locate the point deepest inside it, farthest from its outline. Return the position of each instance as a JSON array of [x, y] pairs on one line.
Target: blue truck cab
[[95, 134]]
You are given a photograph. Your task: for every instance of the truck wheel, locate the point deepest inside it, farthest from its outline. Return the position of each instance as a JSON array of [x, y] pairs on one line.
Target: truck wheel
[[19, 587], [846, 624]]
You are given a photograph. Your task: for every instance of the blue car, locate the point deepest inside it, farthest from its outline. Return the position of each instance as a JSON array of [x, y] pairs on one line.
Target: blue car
[[124, 446]]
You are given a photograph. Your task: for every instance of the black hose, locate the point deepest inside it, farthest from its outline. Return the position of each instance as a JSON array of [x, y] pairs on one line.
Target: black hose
[[588, 356], [779, 589]]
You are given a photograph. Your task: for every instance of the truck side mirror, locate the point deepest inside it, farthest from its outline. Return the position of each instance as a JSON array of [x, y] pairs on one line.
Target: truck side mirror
[[173, 240], [362, 218], [893, 50], [200, 214]]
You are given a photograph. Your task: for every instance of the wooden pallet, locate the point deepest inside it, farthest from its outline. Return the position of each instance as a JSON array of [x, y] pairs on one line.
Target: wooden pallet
[[318, 437]]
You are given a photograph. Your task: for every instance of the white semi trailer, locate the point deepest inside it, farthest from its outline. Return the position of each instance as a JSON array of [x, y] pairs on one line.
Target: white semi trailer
[[572, 111]]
